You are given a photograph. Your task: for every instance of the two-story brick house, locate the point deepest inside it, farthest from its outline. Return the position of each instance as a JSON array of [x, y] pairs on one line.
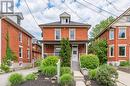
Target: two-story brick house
[[117, 35], [76, 32], [20, 41]]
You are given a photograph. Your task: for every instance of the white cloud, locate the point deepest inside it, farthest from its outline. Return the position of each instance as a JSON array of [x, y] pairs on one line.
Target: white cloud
[[47, 15]]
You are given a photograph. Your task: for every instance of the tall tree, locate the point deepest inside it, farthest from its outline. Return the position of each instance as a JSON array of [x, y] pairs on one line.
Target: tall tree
[[99, 48], [65, 52], [99, 27]]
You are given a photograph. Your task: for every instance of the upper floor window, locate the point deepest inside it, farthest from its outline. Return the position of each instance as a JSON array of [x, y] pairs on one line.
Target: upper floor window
[[128, 19], [20, 52], [57, 34], [111, 50], [72, 34], [122, 32], [20, 37], [65, 21], [111, 34], [28, 41], [122, 50]]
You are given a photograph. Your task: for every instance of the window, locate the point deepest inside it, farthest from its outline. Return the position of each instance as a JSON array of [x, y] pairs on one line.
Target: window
[[111, 50], [72, 34], [65, 20], [122, 32], [20, 52], [28, 54], [128, 19], [57, 34], [28, 42], [57, 51], [20, 37], [122, 50], [111, 34]]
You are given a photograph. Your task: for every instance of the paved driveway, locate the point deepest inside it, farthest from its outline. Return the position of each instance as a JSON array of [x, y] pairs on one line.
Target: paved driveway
[[124, 79], [4, 77]]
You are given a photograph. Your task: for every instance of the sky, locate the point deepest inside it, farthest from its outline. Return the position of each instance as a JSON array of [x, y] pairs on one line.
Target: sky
[[84, 11]]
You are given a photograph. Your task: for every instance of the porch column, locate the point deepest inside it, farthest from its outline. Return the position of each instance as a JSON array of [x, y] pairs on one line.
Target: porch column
[[42, 50], [86, 48]]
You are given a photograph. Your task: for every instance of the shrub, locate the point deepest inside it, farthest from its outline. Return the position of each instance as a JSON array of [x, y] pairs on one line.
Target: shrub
[[89, 61], [92, 74], [49, 61], [15, 79], [65, 70], [107, 75], [66, 80], [38, 62], [31, 77], [49, 71], [124, 63], [5, 68]]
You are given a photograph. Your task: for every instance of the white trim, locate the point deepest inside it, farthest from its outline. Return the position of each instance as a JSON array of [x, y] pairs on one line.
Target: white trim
[[72, 29], [21, 51], [0, 40], [72, 52], [122, 45], [55, 33], [110, 34], [124, 28], [56, 46], [110, 50]]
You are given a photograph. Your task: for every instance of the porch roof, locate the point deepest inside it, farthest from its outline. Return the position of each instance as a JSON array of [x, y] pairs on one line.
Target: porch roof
[[71, 42]]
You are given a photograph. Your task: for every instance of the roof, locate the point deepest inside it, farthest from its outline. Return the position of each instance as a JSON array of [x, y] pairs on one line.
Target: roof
[[65, 14], [127, 12], [18, 26], [58, 23]]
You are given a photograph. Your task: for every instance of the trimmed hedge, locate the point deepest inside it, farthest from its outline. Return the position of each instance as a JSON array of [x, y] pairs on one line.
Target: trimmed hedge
[[15, 79], [66, 80], [89, 61]]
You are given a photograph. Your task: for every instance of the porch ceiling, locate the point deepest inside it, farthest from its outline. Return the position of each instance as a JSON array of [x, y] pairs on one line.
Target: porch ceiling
[[71, 42]]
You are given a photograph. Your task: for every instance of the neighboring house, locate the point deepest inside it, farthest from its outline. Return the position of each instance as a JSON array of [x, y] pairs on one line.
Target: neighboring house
[[36, 50], [117, 35], [76, 32], [20, 40]]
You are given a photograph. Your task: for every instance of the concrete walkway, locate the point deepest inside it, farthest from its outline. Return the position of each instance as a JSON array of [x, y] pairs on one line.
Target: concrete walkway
[[4, 77], [124, 79], [75, 66]]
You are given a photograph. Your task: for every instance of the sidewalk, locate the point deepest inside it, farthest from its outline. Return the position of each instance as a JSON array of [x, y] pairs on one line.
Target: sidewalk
[[4, 77], [124, 79]]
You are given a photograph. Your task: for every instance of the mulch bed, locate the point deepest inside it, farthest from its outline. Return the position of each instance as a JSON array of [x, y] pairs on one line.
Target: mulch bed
[[124, 69], [41, 81]]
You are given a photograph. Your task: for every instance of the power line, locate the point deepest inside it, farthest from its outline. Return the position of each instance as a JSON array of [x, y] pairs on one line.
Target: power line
[[110, 3], [90, 8], [31, 12], [100, 8]]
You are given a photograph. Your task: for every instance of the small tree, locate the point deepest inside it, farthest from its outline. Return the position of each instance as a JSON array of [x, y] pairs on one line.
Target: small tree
[[99, 48], [65, 52]]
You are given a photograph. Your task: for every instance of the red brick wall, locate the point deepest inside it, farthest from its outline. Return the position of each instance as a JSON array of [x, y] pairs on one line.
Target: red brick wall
[[49, 33], [14, 40], [117, 42]]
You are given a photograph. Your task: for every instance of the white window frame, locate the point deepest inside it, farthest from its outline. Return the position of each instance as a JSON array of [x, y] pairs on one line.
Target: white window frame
[[63, 20], [110, 50], [120, 28], [122, 45], [28, 41], [128, 18], [110, 31], [71, 29], [21, 51], [55, 48], [20, 37], [28, 54], [55, 33]]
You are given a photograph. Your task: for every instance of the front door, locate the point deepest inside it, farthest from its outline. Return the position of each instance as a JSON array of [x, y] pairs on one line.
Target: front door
[[75, 53]]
